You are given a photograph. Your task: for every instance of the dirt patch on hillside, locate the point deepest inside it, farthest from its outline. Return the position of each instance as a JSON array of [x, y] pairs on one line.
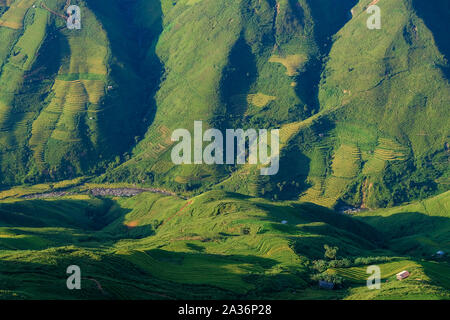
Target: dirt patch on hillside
[[132, 224], [292, 63]]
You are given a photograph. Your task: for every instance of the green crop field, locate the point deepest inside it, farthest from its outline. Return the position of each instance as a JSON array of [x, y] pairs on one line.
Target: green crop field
[[215, 245], [86, 171]]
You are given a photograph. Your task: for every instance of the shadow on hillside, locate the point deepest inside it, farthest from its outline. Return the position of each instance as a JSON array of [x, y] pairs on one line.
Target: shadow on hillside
[[86, 225], [46, 65], [125, 231], [103, 276], [295, 165], [412, 233], [170, 275], [329, 18], [178, 258], [64, 213], [307, 86], [260, 284], [43, 280], [291, 179], [406, 223], [315, 213], [439, 272], [223, 266], [324, 226], [436, 15], [135, 67], [128, 274], [237, 78]]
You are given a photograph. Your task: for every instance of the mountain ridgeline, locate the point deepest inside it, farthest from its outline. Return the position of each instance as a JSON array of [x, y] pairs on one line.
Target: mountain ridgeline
[[87, 177], [363, 114]]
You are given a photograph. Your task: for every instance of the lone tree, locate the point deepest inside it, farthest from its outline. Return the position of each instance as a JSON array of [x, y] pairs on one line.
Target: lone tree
[[330, 252]]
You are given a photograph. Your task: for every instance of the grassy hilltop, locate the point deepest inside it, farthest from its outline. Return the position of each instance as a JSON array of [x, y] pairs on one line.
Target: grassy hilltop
[[363, 120], [217, 245]]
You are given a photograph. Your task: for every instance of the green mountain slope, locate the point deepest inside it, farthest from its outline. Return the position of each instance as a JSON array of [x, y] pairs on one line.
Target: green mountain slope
[[216, 245], [419, 228], [86, 176], [379, 134], [361, 112], [63, 91]]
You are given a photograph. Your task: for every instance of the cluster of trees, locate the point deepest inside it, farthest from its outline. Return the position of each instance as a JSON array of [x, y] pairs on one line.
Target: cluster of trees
[[2, 9], [371, 260], [320, 267], [403, 181], [337, 280], [331, 260]]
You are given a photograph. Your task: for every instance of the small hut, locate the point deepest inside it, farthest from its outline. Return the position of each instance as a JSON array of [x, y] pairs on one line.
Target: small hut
[[402, 275]]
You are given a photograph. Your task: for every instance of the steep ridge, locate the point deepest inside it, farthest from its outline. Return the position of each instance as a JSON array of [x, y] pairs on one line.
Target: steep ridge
[[363, 119], [377, 104], [63, 92], [359, 110], [216, 245], [262, 76]]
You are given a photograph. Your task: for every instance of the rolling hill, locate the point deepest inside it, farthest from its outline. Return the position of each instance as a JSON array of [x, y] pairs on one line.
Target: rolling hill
[[217, 245], [86, 176]]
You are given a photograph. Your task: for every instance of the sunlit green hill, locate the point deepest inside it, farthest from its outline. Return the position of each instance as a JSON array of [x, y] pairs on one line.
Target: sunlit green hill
[[216, 245], [86, 175], [361, 112]]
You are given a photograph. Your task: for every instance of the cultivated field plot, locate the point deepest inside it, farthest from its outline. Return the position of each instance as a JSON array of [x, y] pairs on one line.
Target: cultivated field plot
[[387, 150], [347, 161], [215, 245], [13, 18], [87, 175]]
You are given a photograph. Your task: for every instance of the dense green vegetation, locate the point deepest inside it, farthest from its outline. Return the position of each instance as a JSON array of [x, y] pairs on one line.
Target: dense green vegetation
[[360, 110], [217, 245], [62, 93], [363, 119]]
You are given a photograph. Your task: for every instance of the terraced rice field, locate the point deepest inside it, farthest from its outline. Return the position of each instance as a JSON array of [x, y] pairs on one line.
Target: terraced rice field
[[13, 18], [346, 162], [238, 104], [289, 130], [159, 140], [316, 193], [79, 88], [192, 2], [346, 165], [162, 166], [10, 81], [192, 270], [87, 56], [58, 119], [335, 187], [325, 190], [30, 42], [388, 270], [22, 57], [7, 38], [387, 150]]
